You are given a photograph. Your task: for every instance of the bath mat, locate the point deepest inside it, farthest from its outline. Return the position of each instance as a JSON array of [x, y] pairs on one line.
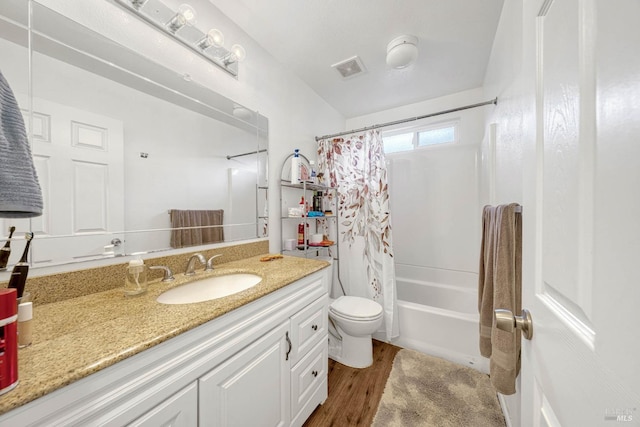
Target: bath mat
[[428, 391]]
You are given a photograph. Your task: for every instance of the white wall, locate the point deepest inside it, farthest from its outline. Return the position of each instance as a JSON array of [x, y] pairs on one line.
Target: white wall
[[296, 114], [503, 158]]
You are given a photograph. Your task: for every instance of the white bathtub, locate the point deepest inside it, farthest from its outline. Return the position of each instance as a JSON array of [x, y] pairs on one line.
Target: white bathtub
[[438, 314]]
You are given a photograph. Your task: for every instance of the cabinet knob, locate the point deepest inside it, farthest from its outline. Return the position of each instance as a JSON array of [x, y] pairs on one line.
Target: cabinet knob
[[314, 327], [314, 373]]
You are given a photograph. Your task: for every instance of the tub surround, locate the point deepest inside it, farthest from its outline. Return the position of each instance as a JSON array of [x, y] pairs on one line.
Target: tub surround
[[78, 336]]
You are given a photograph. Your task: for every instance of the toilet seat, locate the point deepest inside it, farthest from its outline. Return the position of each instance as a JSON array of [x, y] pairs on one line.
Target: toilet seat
[[356, 308]]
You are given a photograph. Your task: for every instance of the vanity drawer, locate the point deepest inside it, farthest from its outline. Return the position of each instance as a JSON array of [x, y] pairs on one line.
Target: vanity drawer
[[307, 376], [308, 327]]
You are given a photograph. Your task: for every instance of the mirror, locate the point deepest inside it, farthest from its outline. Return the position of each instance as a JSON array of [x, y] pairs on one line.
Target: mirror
[[122, 145]]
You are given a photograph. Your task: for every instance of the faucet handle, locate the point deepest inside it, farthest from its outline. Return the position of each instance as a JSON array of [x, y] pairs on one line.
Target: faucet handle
[[209, 266], [168, 274]]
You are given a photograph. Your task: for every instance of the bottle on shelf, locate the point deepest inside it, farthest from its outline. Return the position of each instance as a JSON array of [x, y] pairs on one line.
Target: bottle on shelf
[[313, 177], [317, 201], [301, 235], [295, 167]]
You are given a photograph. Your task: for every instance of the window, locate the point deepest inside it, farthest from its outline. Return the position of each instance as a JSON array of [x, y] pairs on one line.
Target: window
[[407, 140]]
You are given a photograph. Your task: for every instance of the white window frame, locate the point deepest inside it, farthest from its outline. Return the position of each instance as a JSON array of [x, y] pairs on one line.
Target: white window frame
[[415, 130]]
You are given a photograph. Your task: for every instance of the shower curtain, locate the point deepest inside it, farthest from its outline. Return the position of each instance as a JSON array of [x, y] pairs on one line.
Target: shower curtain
[[355, 165]]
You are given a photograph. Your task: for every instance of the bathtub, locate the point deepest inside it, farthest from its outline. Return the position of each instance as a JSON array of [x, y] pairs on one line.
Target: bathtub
[[438, 314]]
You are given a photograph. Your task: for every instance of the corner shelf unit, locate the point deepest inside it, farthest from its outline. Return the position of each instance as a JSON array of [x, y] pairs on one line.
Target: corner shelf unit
[[290, 194]]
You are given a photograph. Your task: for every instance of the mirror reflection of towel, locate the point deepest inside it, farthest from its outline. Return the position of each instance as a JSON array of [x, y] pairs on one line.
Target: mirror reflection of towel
[[20, 194], [206, 219]]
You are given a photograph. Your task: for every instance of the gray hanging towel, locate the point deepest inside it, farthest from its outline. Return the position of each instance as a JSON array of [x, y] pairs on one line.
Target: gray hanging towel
[[20, 194]]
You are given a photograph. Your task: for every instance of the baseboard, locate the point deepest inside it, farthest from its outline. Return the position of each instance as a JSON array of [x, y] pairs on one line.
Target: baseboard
[[505, 410]]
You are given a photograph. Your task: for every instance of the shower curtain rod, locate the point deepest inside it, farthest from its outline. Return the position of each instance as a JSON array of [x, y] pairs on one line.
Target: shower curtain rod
[[412, 119], [246, 154]]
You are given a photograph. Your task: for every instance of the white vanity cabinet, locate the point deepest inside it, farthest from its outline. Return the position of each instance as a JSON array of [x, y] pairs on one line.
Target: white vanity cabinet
[[180, 410], [251, 388], [263, 364]]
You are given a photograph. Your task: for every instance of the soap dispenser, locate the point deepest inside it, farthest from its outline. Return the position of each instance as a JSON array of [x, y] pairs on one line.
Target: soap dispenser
[[136, 280]]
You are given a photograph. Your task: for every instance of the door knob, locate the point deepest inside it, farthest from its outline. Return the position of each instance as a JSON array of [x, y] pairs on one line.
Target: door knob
[[506, 321]]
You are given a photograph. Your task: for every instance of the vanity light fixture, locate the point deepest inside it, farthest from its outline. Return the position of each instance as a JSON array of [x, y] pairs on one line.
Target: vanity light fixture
[[180, 24]]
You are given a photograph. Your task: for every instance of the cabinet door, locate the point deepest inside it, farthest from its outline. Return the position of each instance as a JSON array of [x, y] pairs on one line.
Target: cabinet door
[[180, 410], [251, 388]]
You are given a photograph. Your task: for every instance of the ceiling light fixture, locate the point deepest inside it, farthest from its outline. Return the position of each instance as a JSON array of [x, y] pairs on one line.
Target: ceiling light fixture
[[180, 25], [402, 51]]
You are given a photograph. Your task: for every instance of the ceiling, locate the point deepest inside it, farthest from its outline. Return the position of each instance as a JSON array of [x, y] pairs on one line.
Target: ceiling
[[308, 36]]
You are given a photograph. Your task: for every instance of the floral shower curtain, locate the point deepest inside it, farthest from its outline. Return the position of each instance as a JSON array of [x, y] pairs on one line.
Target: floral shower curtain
[[355, 165]]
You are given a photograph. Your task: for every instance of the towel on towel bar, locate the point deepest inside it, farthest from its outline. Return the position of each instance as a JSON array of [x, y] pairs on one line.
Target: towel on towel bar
[[20, 194], [500, 286], [210, 222]]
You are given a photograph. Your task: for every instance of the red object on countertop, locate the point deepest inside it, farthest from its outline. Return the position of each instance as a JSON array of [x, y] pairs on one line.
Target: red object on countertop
[[8, 340]]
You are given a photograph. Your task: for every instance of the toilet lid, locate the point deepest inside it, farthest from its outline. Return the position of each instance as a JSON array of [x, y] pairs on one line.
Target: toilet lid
[[356, 308]]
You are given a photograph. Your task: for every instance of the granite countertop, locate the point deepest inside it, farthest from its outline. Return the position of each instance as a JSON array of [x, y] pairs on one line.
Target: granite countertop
[[80, 336]]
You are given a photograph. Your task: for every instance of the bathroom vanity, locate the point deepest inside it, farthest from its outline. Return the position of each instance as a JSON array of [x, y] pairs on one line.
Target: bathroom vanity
[[254, 358]]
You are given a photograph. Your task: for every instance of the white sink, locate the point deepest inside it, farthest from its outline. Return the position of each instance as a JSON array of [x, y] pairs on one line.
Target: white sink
[[209, 288]]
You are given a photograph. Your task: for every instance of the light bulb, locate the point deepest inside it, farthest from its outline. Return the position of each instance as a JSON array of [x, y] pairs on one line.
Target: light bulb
[[185, 15], [238, 52], [216, 37], [188, 13], [213, 38]]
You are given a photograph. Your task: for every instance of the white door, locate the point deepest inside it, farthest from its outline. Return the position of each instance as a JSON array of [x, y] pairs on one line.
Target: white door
[[582, 214], [84, 204]]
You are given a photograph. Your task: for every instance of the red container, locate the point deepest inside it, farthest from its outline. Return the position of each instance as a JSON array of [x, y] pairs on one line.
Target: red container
[[8, 340], [301, 234]]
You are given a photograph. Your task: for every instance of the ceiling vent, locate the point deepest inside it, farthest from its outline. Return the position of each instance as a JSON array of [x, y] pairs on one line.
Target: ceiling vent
[[350, 67]]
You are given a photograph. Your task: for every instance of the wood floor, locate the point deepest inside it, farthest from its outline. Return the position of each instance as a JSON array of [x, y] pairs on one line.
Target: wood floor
[[354, 394]]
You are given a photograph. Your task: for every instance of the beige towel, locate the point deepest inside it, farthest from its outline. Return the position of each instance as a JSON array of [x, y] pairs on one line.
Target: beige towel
[[500, 286], [210, 221]]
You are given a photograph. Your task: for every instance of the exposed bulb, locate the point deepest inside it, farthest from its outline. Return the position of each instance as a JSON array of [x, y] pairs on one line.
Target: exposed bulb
[[188, 13], [213, 38], [239, 52], [236, 54], [185, 15]]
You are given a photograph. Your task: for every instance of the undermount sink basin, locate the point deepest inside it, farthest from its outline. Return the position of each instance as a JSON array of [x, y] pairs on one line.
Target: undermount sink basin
[[209, 288]]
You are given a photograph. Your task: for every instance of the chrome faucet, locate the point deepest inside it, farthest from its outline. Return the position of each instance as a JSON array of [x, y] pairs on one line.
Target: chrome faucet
[[168, 274], [209, 266], [191, 268]]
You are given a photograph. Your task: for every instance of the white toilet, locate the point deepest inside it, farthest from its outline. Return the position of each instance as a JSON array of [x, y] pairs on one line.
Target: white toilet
[[355, 319]]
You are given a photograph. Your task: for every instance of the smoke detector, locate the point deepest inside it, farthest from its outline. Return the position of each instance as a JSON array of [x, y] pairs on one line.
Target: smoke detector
[[350, 67]]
